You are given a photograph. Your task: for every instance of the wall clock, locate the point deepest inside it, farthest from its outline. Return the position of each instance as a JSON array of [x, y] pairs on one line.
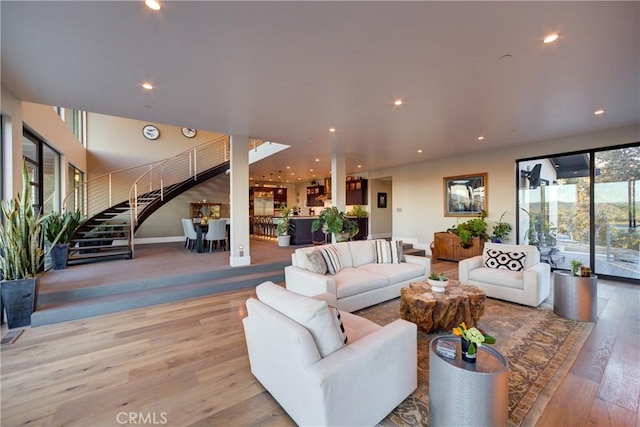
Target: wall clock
[[189, 132], [150, 132]]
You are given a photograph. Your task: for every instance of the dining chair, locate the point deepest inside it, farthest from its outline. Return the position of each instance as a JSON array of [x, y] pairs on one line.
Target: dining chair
[[216, 233], [190, 232]]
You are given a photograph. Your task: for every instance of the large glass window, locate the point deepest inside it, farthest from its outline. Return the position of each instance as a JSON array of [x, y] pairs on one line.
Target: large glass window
[[75, 200], [31, 153], [582, 207], [50, 179]]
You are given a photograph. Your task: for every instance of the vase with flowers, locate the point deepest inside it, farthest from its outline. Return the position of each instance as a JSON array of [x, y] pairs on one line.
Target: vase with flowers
[[471, 339]]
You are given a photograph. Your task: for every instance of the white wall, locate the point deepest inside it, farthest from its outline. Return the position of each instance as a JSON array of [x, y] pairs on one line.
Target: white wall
[[418, 205], [380, 219], [12, 156]]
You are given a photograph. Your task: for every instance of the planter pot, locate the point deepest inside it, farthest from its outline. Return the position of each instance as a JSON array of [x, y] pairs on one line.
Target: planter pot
[[19, 298], [284, 240], [438, 285], [342, 237], [59, 255], [465, 348]]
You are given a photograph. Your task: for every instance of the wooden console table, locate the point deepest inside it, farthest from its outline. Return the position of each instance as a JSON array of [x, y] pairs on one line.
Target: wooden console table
[[447, 246]]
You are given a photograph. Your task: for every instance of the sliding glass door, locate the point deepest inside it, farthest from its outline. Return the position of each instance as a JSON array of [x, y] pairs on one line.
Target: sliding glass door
[[582, 207], [616, 205]]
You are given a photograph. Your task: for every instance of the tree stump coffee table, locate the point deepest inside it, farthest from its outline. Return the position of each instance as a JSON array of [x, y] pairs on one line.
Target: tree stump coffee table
[[441, 310]]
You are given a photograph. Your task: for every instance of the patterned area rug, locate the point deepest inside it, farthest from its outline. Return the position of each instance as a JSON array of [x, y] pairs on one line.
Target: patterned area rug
[[540, 346]]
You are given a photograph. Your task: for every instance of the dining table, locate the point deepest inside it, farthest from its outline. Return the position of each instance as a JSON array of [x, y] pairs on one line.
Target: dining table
[[201, 231]]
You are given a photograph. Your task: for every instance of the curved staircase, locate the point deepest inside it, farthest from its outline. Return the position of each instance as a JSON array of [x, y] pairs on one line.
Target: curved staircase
[[119, 202]]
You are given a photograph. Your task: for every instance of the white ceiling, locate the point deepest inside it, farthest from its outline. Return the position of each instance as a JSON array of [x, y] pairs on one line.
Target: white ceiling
[[288, 71]]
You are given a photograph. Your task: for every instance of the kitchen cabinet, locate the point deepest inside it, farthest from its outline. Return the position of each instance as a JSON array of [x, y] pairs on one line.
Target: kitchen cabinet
[[447, 246], [312, 194], [356, 191]]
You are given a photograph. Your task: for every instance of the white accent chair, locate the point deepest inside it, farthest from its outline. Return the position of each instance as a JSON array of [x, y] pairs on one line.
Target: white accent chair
[[356, 385], [530, 286], [190, 232], [217, 232]]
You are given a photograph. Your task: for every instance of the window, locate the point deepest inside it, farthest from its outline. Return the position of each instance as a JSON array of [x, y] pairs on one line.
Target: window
[[75, 198], [582, 207], [43, 167], [76, 121]]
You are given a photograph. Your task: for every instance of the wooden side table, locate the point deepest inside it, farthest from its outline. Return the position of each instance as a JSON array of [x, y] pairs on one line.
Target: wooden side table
[[468, 394]]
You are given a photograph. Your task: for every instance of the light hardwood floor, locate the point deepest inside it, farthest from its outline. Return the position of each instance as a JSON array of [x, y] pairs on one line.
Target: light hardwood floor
[[185, 364]]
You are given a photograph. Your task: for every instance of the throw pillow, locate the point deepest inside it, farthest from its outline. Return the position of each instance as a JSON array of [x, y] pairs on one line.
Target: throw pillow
[[337, 321], [387, 252], [316, 262], [332, 259], [513, 261]]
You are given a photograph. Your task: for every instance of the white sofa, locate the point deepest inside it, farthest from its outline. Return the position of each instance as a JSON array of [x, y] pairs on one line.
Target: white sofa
[[296, 352], [497, 272], [363, 280]]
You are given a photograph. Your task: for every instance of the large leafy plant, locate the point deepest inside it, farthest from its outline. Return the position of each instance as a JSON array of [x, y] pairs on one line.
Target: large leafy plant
[[466, 231], [60, 227], [21, 235], [335, 221]]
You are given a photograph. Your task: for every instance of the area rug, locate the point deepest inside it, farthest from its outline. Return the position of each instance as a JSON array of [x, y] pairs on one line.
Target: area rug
[[539, 345]]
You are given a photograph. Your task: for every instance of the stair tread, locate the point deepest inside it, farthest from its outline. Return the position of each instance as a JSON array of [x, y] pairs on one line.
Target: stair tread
[[98, 254]]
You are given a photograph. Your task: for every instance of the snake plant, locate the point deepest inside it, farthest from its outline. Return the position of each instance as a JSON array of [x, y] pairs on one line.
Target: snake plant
[[21, 235]]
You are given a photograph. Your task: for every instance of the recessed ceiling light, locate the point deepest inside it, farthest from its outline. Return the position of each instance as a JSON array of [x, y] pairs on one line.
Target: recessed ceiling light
[[147, 86], [317, 160], [152, 4], [481, 138], [419, 151], [292, 173], [398, 102], [288, 167], [310, 170], [359, 166], [299, 179], [332, 130], [551, 38], [598, 112], [250, 179]]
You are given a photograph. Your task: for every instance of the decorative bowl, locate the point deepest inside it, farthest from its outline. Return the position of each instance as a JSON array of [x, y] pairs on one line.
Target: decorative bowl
[[438, 285]]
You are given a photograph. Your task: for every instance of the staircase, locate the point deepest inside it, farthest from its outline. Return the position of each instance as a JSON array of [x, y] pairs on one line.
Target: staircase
[[408, 249], [119, 202]]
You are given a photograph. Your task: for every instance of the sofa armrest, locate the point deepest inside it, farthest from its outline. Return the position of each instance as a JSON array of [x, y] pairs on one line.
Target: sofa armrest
[[466, 265], [537, 282], [308, 283], [420, 260], [352, 378]]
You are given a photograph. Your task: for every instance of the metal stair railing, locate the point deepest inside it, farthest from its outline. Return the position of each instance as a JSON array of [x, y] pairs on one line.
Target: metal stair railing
[[105, 191], [154, 183]]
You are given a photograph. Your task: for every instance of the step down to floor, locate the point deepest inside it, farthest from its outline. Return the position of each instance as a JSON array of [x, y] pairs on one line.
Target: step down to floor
[[67, 305]]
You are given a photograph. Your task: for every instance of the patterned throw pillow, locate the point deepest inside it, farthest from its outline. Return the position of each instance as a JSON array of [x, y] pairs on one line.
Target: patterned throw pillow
[[337, 321], [513, 261], [316, 262], [389, 252], [332, 259]]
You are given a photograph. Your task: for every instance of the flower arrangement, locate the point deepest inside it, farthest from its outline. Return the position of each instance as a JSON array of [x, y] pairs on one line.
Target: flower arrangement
[[476, 337]]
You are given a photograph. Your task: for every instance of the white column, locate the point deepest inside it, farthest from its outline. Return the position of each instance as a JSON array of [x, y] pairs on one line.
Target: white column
[[239, 201], [338, 179]]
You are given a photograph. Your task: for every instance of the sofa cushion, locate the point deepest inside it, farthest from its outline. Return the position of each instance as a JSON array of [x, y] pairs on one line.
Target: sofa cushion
[[362, 252], [351, 281], [337, 321], [344, 252], [316, 262], [331, 258], [387, 252], [396, 272], [492, 276], [504, 260], [311, 313]]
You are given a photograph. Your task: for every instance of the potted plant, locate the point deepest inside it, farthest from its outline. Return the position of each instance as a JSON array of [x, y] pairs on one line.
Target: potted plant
[[437, 281], [332, 220], [501, 230], [21, 254], [476, 227], [575, 267], [285, 226], [471, 339], [60, 228], [358, 211]]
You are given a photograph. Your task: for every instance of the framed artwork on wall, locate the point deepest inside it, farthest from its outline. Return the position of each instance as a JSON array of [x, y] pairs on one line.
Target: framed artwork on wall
[[465, 195], [382, 200]]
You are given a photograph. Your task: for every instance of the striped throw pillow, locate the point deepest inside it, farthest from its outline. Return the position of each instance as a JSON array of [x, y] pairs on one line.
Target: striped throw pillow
[[337, 321], [332, 259], [388, 252]]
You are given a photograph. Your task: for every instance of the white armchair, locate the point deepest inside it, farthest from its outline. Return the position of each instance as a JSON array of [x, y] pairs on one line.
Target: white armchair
[[356, 384], [529, 286]]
